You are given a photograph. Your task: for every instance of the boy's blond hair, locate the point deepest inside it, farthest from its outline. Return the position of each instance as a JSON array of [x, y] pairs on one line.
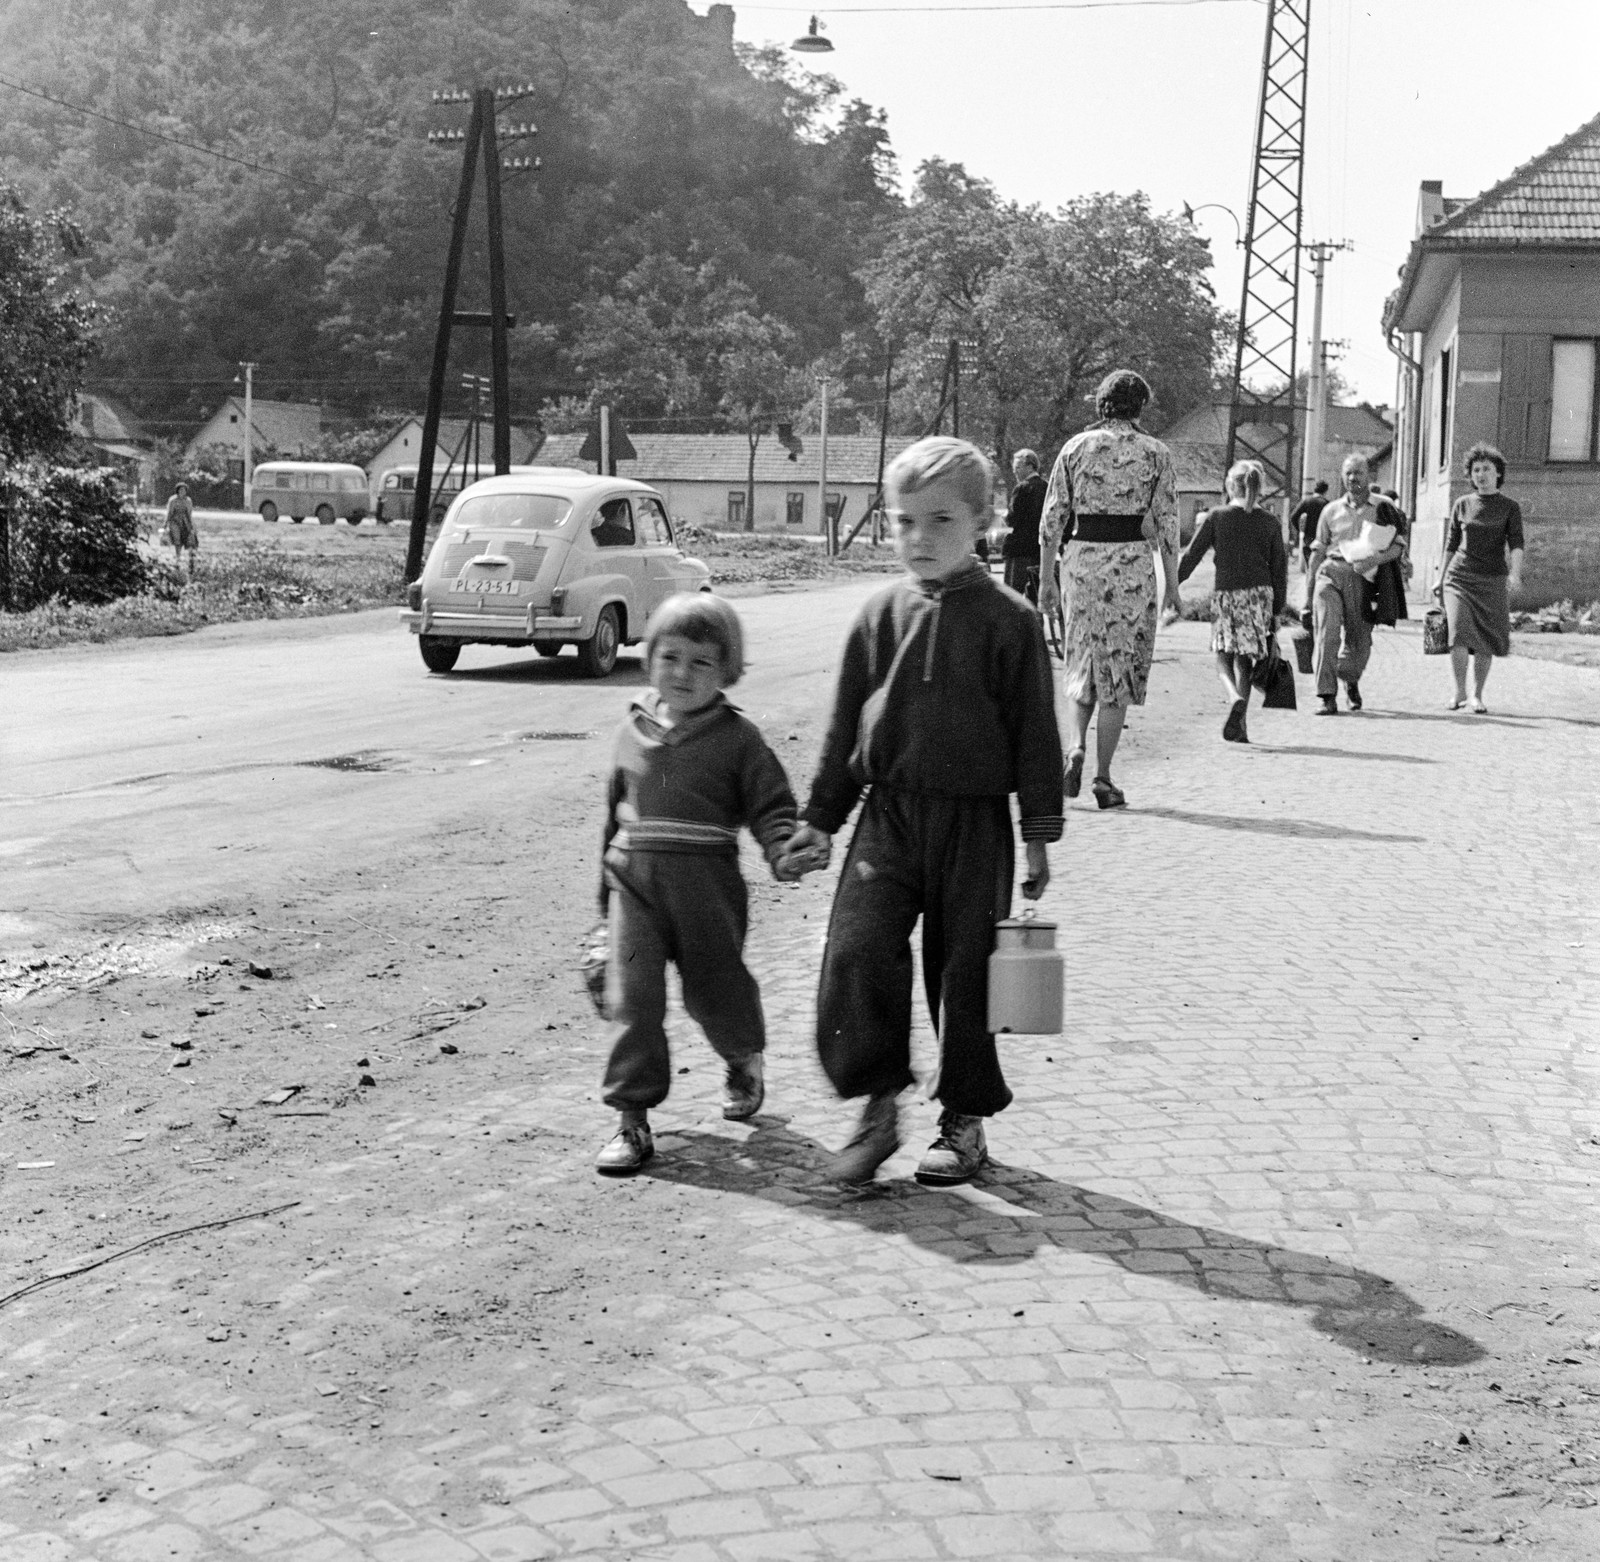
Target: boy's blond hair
[[941, 459], [705, 619]]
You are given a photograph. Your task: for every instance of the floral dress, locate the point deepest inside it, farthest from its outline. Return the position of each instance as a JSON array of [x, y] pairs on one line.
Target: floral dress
[[1108, 589]]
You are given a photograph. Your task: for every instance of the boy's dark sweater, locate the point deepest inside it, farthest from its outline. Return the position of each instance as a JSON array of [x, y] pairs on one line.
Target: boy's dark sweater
[[945, 688]]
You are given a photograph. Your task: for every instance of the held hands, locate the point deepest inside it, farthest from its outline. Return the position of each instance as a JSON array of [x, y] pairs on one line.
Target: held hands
[[808, 850], [1038, 879]]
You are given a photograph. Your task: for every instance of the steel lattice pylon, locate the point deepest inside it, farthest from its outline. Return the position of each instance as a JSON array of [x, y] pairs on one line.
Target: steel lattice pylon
[[1262, 414]]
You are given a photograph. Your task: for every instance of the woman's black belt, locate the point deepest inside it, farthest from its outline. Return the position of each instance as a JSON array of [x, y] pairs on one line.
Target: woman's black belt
[[1107, 528]]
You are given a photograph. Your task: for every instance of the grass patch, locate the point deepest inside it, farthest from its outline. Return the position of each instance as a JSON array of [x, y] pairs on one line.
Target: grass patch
[[749, 558], [255, 581]]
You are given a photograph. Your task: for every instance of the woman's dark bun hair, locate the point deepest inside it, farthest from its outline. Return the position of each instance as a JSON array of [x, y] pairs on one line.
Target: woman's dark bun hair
[[1483, 452], [1122, 394]]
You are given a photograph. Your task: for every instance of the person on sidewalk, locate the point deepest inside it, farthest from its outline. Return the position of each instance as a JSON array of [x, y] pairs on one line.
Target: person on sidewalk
[[1303, 520], [1252, 584], [1357, 535], [1474, 581], [943, 709], [1021, 547], [1113, 495], [688, 770], [182, 533]]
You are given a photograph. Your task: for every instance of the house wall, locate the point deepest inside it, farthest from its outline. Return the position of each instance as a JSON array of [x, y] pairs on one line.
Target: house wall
[[1502, 315], [1436, 490], [706, 503]]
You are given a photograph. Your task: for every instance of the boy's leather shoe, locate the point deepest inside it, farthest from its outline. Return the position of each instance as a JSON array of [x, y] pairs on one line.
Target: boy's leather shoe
[[744, 1088], [877, 1137], [957, 1154], [1353, 690], [1325, 706], [627, 1152]]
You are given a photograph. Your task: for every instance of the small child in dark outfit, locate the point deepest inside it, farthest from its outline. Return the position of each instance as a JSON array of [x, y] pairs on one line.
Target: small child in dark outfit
[[688, 770], [944, 708]]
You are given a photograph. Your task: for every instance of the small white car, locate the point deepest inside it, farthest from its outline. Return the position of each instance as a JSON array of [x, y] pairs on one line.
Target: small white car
[[548, 557]]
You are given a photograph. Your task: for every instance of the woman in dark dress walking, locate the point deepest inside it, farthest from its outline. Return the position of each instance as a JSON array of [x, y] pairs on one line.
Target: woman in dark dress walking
[[1251, 586], [1474, 580]]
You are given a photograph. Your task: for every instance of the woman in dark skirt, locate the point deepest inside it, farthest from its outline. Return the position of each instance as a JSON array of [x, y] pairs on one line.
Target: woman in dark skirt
[[1474, 578], [1251, 586]]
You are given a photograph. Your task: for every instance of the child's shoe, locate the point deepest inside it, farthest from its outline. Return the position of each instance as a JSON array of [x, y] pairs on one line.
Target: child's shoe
[[631, 1147], [958, 1154], [877, 1137], [744, 1089]]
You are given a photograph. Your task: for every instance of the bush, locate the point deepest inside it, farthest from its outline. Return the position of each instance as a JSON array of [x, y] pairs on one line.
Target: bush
[[73, 537]]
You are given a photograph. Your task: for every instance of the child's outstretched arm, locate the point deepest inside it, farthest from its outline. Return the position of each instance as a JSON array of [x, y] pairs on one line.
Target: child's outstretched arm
[[769, 806]]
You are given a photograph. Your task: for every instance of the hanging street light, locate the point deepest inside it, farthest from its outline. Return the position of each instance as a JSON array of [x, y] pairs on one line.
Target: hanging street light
[[813, 42]]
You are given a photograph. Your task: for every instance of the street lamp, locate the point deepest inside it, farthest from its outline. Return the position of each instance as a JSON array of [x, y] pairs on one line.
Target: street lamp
[[813, 42]]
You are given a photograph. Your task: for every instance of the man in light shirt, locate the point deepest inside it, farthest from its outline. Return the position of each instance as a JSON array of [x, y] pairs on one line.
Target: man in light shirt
[[1356, 535]]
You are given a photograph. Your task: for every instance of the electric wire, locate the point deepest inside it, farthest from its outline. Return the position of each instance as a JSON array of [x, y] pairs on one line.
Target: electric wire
[[1006, 5]]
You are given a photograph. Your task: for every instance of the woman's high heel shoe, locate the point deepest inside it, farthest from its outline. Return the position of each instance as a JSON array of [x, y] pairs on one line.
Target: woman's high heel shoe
[[1108, 796]]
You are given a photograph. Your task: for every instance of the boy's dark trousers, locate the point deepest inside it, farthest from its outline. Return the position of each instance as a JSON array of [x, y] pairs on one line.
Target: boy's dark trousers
[[949, 861], [693, 909]]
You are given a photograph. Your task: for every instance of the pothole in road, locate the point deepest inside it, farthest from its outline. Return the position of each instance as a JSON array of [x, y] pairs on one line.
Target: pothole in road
[[551, 737], [367, 762]]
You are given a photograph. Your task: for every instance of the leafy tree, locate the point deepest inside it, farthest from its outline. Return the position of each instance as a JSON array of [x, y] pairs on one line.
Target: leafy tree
[[759, 381], [46, 332]]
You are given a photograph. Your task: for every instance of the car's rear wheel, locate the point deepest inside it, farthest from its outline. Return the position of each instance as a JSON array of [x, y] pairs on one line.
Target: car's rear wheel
[[325, 515], [439, 656], [269, 512], [598, 654], [547, 647]]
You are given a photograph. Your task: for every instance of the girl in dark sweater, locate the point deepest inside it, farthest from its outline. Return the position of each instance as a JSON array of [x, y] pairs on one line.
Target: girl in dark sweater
[[1250, 590]]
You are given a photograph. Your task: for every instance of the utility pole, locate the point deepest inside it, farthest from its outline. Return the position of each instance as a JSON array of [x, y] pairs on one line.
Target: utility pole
[[829, 530], [1317, 402], [481, 132], [250, 380]]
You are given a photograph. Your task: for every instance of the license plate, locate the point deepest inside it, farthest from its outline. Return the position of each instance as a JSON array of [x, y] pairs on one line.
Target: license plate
[[488, 586]]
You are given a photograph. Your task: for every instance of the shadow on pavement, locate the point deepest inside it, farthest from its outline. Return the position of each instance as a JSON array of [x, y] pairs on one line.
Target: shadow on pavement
[[1361, 1311], [1304, 829], [530, 667], [1464, 718], [1340, 753]]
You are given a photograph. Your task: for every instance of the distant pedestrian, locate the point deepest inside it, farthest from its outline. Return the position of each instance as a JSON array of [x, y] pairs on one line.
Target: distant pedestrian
[[687, 771], [942, 711], [1113, 496], [1357, 535], [1303, 522], [1474, 581], [1021, 547], [181, 530], [1251, 587]]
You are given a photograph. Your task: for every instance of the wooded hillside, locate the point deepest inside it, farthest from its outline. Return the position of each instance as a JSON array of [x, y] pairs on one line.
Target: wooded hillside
[[657, 141]]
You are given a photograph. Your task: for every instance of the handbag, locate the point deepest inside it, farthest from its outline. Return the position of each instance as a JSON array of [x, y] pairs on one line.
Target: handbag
[[1304, 649], [1274, 677], [1435, 632]]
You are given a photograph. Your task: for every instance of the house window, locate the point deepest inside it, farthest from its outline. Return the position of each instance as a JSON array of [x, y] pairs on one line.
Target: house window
[[736, 510], [794, 511], [1572, 401], [1445, 382]]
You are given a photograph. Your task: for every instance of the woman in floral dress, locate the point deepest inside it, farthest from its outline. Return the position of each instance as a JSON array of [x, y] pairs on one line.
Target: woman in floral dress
[[1114, 497]]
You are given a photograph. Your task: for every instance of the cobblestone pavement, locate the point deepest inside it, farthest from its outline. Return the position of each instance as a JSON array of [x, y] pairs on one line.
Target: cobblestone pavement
[[1287, 1251]]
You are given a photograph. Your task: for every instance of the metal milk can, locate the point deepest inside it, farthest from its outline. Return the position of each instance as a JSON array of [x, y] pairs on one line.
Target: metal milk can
[[1026, 972]]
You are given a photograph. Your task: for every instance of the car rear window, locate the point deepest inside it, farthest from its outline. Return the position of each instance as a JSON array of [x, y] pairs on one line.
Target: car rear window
[[530, 512]]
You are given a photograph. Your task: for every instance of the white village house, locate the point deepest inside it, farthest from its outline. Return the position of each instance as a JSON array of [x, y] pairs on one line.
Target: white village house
[[403, 448], [703, 477], [290, 428]]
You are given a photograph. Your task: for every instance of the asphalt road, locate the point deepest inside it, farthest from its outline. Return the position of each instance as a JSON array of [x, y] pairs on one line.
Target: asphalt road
[[146, 774]]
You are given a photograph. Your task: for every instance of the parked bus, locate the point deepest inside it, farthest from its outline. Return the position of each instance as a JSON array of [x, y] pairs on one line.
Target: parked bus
[[328, 490], [396, 491]]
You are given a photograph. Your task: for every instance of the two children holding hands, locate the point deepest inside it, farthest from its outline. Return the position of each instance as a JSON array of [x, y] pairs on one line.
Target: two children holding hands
[[943, 710]]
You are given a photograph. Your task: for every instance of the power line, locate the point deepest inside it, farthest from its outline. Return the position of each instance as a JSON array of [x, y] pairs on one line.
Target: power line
[[192, 146], [1020, 5]]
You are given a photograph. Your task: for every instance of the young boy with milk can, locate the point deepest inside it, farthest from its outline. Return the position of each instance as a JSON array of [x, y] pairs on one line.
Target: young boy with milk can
[[944, 708]]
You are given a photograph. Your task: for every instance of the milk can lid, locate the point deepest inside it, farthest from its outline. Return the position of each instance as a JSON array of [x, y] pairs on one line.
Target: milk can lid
[[1028, 920]]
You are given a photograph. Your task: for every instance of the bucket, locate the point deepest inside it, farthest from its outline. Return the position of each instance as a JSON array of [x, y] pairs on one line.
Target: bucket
[[1302, 650], [1026, 972]]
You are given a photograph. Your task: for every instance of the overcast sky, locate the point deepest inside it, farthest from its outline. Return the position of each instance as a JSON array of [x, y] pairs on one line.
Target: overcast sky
[[1049, 104]]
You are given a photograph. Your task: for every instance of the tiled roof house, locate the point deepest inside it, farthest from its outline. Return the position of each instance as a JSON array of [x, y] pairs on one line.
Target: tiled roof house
[[1497, 316], [288, 427], [703, 476]]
